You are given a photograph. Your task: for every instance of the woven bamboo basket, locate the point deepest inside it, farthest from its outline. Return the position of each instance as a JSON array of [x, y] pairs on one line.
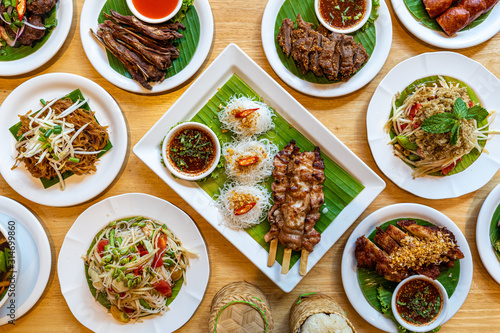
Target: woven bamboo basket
[[240, 307], [308, 304]]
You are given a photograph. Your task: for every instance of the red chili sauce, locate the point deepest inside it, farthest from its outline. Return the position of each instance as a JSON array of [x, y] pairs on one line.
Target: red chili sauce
[[155, 9], [419, 302], [191, 150], [342, 14]]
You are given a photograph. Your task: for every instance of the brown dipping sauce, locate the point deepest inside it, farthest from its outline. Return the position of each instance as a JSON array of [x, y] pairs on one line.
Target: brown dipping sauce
[[342, 14], [419, 302], [191, 150]]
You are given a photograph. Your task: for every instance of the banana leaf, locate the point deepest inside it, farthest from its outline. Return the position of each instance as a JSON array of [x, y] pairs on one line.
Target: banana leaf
[[75, 95], [468, 159], [102, 298], [305, 8], [16, 53], [369, 280], [340, 188], [494, 230], [417, 9], [187, 45]]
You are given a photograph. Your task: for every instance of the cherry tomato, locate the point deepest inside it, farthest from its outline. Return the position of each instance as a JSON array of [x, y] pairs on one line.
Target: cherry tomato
[[163, 287], [245, 113], [100, 246], [414, 109], [161, 243]]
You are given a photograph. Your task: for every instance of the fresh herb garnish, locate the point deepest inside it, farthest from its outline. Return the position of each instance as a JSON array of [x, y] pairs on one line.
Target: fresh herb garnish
[[450, 122]]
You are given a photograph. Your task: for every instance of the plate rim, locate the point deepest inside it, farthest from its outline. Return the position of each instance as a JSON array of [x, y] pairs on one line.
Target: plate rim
[[366, 226], [234, 60], [432, 63], [483, 241], [109, 206], [439, 39], [19, 212], [101, 65], [383, 30], [113, 112], [48, 50]]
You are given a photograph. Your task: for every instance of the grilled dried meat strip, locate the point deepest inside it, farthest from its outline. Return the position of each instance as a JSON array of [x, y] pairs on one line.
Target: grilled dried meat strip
[[399, 236], [40, 7], [297, 200], [360, 56], [347, 57], [154, 32], [302, 44], [281, 161], [151, 43], [368, 254], [315, 52], [311, 236], [156, 58], [285, 36]]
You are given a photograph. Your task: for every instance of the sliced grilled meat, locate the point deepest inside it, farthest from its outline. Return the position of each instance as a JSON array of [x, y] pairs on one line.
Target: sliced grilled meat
[[40, 7]]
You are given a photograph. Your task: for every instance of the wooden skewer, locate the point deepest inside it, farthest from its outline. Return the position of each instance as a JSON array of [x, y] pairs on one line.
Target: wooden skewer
[[286, 261], [303, 262], [272, 252]]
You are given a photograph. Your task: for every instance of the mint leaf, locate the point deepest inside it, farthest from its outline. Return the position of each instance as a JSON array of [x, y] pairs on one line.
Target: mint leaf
[[460, 108], [477, 112], [454, 134], [439, 123]]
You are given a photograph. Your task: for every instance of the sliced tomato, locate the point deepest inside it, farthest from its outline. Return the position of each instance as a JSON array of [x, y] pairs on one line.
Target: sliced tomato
[[161, 243], [138, 270], [417, 124], [142, 251], [471, 104], [245, 113], [21, 8], [248, 160], [414, 109], [450, 167], [128, 310], [163, 287], [403, 127], [245, 208], [100, 246]]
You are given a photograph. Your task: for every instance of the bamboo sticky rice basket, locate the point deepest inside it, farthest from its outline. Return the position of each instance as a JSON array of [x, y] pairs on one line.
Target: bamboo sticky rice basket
[[240, 307], [309, 304]]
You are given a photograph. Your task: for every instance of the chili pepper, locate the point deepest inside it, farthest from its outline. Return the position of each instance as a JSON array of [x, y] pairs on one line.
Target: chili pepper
[[248, 160], [245, 113], [245, 208]]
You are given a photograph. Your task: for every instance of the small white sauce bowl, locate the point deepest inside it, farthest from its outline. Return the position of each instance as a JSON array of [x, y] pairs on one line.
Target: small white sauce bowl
[[432, 325], [171, 164], [15, 268], [355, 27], [141, 17]]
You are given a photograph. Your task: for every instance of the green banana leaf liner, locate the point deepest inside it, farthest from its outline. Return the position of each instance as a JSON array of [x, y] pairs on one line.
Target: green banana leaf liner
[[187, 45], [494, 230]]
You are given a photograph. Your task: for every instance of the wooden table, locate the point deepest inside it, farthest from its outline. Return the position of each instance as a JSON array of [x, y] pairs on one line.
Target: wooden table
[[239, 22]]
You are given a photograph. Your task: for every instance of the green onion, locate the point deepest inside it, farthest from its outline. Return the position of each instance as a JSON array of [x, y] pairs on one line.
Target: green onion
[[55, 157], [43, 130], [6, 16], [49, 132], [144, 304], [46, 146], [74, 160], [42, 139], [43, 102], [57, 129]]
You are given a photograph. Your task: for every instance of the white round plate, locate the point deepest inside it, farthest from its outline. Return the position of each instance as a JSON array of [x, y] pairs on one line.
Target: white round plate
[[33, 255], [79, 189], [460, 40], [486, 251], [70, 265], [96, 53], [48, 50], [367, 226], [383, 30], [455, 65]]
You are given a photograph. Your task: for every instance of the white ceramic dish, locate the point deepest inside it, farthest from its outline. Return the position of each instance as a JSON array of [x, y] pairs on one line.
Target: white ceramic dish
[[234, 61], [34, 257], [367, 226], [170, 164], [48, 50], [141, 17], [97, 56], [78, 188], [357, 26], [486, 251], [383, 28], [441, 315], [71, 272], [460, 40], [482, 81], [15, 267]]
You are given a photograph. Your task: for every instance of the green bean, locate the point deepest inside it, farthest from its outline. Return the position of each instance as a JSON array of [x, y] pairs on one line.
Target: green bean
[[144, 304], [142, 224], [107, 258], [112, 224], [118, 279], [112, 236], [115, 252], [134, 224], [164, 226], [130, 276], [130, 283], [133, 249], [139, 218], [171, 253], [116, 273], [108, 267], [124, 251], [124, 261], [118, 241], [169, 262], [106, 247], [405, 142], [123, 269]]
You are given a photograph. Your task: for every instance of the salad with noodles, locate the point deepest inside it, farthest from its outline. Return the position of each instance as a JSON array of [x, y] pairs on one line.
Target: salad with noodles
[[133, 265]]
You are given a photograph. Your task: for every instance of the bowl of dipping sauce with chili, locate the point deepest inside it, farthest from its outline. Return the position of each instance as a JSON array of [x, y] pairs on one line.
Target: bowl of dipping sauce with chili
[[343, 16], [419, 303], [154, 11], [191, 151]]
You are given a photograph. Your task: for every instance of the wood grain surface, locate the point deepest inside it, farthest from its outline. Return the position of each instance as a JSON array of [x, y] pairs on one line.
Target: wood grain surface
[[239, 21]]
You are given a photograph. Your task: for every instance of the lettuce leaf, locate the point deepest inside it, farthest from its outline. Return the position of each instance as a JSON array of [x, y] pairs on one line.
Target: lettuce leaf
[[184, 8]]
